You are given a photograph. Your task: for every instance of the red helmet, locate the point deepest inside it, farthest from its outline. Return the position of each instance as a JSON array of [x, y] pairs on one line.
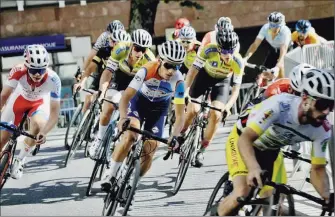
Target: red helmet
[[279, 86], [181, 22]]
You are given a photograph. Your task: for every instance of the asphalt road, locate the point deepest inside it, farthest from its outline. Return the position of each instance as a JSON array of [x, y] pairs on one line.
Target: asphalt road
[[47, 188]]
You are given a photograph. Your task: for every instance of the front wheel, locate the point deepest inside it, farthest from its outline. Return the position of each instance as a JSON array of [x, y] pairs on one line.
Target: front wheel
[[74, 120], [4, 164]]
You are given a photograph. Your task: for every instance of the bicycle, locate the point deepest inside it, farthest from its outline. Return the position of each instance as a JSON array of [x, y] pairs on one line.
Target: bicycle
[[106, 148], [123, 188], [192, 142], [257, 88], [7, 155], [84, 129]]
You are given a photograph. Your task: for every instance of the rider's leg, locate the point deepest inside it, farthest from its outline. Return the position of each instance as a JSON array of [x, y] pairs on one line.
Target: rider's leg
[[87, 103], [4, 138], [191, 112]]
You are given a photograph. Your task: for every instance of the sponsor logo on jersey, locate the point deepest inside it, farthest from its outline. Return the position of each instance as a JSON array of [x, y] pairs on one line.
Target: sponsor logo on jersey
[[267, 114], [284, 106], [214, 64], [324, 144], [155, 129]]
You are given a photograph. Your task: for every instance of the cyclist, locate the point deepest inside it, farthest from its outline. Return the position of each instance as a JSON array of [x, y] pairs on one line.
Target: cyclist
[[281, 120], [222, 23], [102, 40], [180, 23], [152, 87], [99, 61], [27, 89], [214, 67], [187, 37], [305, 34], [278, 38], [125, 60]]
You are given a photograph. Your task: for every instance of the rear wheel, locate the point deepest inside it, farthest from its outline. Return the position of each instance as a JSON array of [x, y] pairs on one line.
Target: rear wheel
[[4, 164], [73, 123]]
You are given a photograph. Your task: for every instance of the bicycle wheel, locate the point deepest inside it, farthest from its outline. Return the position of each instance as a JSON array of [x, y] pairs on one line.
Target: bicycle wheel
[[171, 121], [185, 158], [74, 119], [110, 204], [136, 176], [213, 199], [79, 136], [4, 164], [247, 97], [93, 177]]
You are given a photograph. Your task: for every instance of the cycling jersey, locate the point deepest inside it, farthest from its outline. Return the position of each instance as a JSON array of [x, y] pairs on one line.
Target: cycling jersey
[[154, 88], [283, 37], [275, 120], [100, 59], [118, 63], [311, 38], [210, 37], [30, 96], [209, 59], [191, 55], [102, 41]]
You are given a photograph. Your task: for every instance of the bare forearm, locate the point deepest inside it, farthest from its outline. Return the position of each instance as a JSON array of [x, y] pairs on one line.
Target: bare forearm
[[178, 126], [247, 152], [252, 49], [283, 51], [233, 98], [320, 181], [190, 76], [104, 80], [89, 58], [52, 121], [3, 101]]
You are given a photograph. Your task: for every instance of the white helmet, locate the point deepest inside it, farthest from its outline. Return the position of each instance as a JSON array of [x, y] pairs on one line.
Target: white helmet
[[36, 57], [172, 52], [120, 35], [187, 32], [319, 83], [296, 75], [224, 23], [277, 18], [141, 37]]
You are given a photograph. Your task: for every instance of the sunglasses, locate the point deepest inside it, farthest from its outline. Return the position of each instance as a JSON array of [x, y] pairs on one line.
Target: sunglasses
[[171, 66], [224, 52], [37, 71], [275, 25], [302, 32], [323, 104], [185, 42], [138, 48]]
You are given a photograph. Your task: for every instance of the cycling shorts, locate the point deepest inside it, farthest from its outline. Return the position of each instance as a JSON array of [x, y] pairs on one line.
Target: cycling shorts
[[270, 160], [120, 80], [17, 105], [202, 81], [153, 113]]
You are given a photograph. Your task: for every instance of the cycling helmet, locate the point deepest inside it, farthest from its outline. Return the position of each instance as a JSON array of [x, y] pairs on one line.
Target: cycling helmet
[[115, 25], [120, 35], [303, 26], [172, 52], [181, 22], [279, 86], [36, 57], [227, 40], [141, 37], [224, 23], [296, 75], [187, 32], [319, 83], [277, 18]]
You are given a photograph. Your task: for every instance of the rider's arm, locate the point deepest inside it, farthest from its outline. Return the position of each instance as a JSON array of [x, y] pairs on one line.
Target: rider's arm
[[195, 68], [260, 119], [101, 41], [53, 119], [253, 47], [319, 177], [237, 80], [111, 67], [284, 46], [179, 101], [89, 70], [5, 93]]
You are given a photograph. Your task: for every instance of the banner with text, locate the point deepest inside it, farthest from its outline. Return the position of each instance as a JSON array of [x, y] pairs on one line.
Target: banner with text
[[17, 45]]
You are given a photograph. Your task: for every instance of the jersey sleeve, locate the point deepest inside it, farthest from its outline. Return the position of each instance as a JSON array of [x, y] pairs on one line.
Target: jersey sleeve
[[55, 92], [263, 115], [320, 141], [101, 41], [179, 94], [262, 33], [14, 76], [119, 52], [203, 55], [97, 58], [138, 79]]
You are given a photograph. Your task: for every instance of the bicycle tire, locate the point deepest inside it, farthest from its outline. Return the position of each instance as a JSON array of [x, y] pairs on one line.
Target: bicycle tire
[[136, 171], [73, 121], [4, 164], [109, 204], [247, 97], [75, 144], [88, 135], [183, 166], [218, 186], [93, 177]]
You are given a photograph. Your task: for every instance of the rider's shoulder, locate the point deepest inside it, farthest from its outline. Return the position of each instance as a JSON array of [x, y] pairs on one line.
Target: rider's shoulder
[[210, 49], [17, 71], [149, 55], [121, 50], [53, 77]]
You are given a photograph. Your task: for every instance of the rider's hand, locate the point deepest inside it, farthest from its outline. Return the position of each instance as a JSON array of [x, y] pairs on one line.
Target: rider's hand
[[173, 139], [254, 173], [120, 123], [77, 86], [268, 75], [40, 138]]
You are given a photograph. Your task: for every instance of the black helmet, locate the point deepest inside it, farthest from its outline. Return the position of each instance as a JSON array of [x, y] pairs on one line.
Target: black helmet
[[227, 40]]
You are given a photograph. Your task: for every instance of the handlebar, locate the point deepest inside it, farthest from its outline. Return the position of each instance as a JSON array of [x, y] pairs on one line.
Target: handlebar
[[15, 130], [259, 68]]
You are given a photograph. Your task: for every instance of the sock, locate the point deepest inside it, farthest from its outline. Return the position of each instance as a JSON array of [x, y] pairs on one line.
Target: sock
[[114, 167], [102, 131], [204, 145], [24, 152]]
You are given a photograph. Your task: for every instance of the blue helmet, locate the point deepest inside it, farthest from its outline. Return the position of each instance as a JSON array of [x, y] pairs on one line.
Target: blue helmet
[[303, 26]]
